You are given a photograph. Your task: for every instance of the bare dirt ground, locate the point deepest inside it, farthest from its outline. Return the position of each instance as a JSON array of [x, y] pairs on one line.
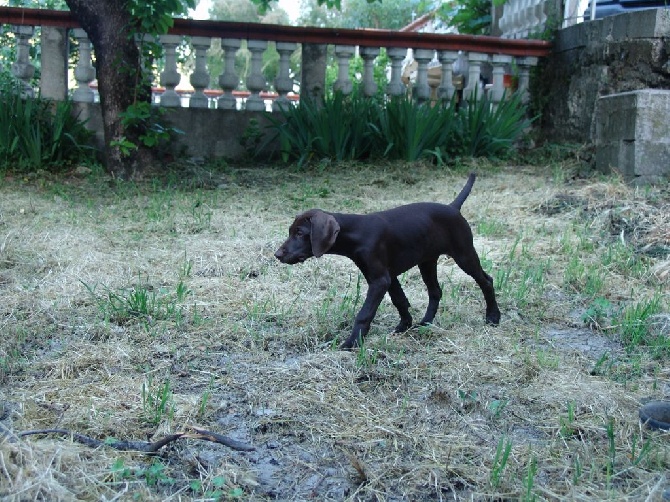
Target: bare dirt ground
[[131, 312]]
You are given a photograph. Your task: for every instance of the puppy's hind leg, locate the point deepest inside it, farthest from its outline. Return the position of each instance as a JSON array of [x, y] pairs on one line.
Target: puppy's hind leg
[[401, 303], [428, 271], [470, 264]]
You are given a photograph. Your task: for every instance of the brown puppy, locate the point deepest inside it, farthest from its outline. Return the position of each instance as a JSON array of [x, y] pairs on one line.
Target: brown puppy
[[385, 244]]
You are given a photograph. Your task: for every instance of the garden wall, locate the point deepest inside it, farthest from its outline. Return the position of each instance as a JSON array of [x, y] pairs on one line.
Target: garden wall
[[207, 133], [617, 54]]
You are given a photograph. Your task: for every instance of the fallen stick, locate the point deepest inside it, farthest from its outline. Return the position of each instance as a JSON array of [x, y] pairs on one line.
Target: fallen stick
[[144, 446]]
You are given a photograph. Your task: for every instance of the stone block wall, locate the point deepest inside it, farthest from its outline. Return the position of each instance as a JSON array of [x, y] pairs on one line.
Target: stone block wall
[[633, 134], [622, 53]]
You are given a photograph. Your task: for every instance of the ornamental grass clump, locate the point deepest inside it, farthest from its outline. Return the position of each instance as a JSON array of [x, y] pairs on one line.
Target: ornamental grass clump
[[37, 133], [353, 127], [337, 128], [409, 131], [486, 129]]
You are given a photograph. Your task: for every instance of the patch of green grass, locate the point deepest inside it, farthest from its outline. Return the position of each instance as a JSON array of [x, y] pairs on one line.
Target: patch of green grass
[[489, 227], [633, 321], [338, 307], [205, 398], [140, 301], [623, 259], [500, 460], [585, 278], [366, 357], [496, 407], [157, 401], [567, 423], [217, 488], [521, 279], [528, 494], [597, 312], [153, 475]]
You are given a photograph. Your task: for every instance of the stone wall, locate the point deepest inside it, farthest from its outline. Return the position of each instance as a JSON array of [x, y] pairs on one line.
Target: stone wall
[[207, 133], [633, 135], [622, 53]]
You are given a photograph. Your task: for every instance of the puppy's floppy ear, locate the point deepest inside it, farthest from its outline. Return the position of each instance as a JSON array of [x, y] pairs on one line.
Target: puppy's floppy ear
[[324, 232]]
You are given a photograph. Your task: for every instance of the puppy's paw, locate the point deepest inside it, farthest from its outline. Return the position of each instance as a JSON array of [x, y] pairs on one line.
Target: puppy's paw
[[403, 326], [493, 318], [350, 343]]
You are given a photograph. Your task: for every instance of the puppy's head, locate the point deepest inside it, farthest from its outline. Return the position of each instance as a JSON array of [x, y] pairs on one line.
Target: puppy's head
[[312, 233]]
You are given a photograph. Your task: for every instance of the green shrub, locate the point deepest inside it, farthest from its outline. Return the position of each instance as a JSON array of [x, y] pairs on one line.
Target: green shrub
[[354, 128], [37, 133], [337, 128], [408, 131], [485, 130]]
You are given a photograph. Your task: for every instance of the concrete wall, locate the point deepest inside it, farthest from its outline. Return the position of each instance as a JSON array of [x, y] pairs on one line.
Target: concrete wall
[[591, 62], [633, 135], [208, 133], [616, 54]]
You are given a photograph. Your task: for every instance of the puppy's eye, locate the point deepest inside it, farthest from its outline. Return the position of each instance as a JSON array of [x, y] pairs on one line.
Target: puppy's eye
[[299, 233]]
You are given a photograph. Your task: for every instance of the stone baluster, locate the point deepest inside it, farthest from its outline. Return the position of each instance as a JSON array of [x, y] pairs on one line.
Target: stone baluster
[[284, 82], [446, 90], [256, 80], [422, 58], [475, 61], [395, 87], [54, 56], [23, 69], [517, 18], [170, 77], [505, 21], [84, 72], [500, 62], [200, 76], [540, 16], [524, 64], [520, 25], [369, 85], [532, 22], [343, 83], [229, 80]]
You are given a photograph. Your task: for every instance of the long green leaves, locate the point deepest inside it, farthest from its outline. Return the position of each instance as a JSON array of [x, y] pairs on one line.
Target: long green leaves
[[36, 133], [409, 131], [488, 130], [336, 128], [354, 128]]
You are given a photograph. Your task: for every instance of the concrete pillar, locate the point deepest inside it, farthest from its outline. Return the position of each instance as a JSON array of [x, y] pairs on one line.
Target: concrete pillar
[[200, 76], [421, 89], [395, 86], [313, 79], [22, 68], [53, 84], [256, 80], [344, 53], [633, 135]]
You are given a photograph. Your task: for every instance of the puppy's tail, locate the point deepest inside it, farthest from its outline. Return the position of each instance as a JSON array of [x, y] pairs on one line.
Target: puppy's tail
[[460, 198]]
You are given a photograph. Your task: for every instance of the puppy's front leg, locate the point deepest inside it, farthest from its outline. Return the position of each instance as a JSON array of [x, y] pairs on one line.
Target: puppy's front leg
[[377, 288]]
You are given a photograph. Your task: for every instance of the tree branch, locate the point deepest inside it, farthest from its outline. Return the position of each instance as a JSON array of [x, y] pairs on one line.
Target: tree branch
[[144, 446]]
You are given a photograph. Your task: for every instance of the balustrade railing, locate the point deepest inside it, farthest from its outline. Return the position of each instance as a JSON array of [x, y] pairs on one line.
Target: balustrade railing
[[491, 57], [522, 18]]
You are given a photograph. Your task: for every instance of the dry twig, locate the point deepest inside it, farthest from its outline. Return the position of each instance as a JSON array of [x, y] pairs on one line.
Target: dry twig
[[145, 446]]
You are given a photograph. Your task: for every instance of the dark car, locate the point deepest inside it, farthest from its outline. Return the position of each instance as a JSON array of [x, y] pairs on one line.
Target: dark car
[[606, 8]]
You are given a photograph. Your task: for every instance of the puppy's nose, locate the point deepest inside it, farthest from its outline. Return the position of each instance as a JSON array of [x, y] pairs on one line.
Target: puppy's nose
[[279, 253]]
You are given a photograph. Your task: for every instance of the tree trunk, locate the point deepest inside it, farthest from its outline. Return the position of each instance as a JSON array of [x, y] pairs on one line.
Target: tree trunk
[[117, 61]]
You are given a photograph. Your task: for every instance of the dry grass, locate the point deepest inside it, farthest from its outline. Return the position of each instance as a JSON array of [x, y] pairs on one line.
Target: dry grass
[[240, 344]]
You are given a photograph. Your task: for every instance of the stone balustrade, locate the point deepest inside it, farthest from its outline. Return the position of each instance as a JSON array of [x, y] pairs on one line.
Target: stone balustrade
[[487, 60], [523, 18]]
